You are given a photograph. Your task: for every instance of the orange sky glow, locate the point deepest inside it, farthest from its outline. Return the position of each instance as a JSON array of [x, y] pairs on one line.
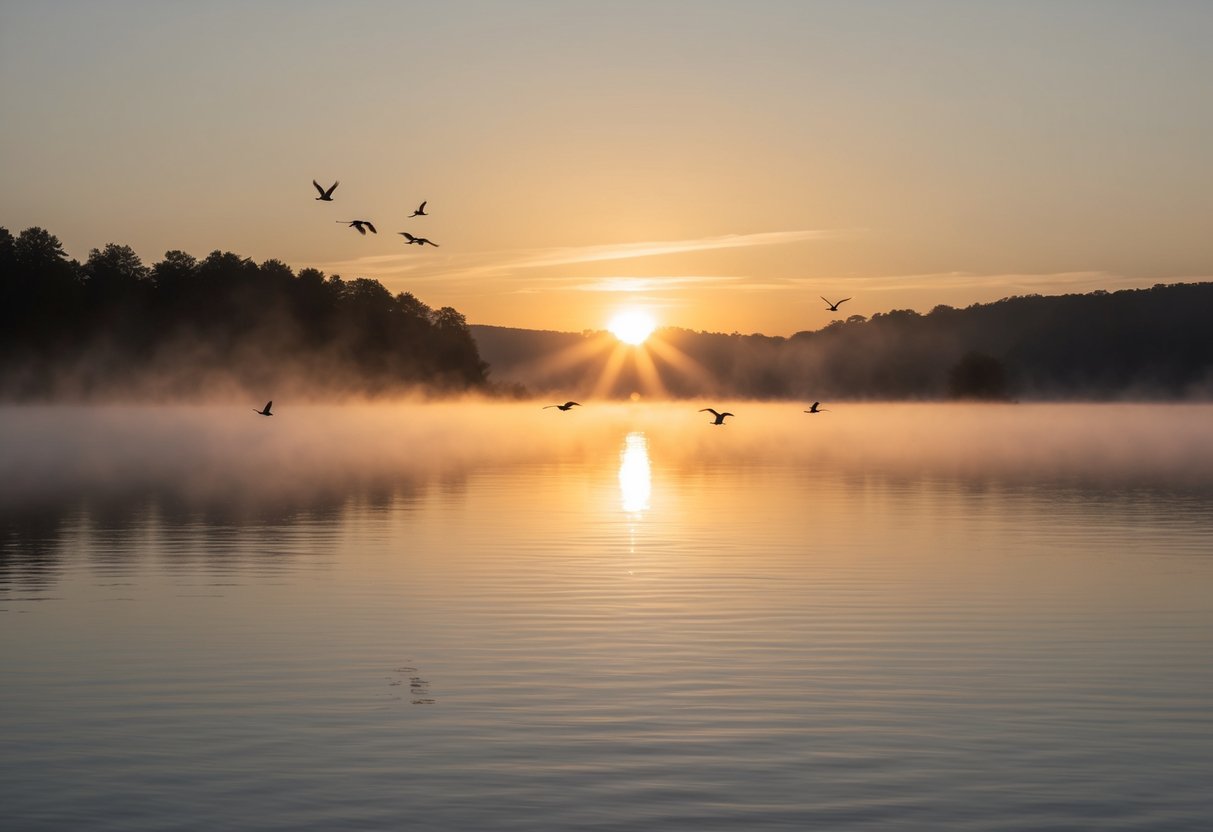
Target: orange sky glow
[[717, 167]]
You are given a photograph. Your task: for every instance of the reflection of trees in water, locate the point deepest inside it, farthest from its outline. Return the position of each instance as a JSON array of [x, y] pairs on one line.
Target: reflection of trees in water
[[240, 529], [30, 553]]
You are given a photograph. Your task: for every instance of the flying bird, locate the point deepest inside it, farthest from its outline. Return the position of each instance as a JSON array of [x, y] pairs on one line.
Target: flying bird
[[813, 408], [565, 406], [359, 225], [325, 196], [416, 241], [719, 416], [420, 212], [266, 411], [834, 306]]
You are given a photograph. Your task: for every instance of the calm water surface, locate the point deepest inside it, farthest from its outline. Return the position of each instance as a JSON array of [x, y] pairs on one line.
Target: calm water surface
[[914, 617]]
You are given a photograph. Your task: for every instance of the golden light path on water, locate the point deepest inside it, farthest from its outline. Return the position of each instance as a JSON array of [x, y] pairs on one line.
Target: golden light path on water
[[635, 474]]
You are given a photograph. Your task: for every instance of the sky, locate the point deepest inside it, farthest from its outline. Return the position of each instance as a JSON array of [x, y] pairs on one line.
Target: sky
[[721, 165]]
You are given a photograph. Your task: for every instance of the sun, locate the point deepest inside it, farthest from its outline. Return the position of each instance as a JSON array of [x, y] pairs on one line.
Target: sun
[[632, 326]]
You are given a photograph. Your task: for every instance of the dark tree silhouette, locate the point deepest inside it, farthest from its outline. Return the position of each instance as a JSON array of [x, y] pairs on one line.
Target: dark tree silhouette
[[8, 251], [42, 296], [115, 269], [978, 376], [115, 327]]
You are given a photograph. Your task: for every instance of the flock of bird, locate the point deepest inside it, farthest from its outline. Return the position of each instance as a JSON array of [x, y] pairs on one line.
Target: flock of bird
[[363, 226], [719, 417], [719, 420]]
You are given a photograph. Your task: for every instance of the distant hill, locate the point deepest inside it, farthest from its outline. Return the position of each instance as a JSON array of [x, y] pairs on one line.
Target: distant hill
[[1152, 344], [112, 327]]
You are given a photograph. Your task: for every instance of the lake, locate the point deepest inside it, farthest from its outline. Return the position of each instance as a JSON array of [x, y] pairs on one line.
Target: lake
[[489, 616]]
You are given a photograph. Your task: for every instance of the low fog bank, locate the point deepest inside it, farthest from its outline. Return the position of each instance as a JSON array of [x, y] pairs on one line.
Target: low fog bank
[[190, 375], [270, 362], [201, 454]]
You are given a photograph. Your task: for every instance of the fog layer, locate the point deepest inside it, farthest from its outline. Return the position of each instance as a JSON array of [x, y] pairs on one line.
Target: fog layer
[[51, 453]]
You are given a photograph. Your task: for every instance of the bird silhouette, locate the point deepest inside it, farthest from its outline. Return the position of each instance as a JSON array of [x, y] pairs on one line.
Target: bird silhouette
[[420, 212], [834, 306], [565, 406], [813, 408], [359, 224], [325, 196], [266, 411], [416, 241], [719, 416]]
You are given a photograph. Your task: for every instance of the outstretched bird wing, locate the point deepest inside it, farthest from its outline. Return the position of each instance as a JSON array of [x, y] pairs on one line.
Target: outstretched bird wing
[[844, 300], [407, 236], [368, 225], [318, 188], [709, 410], [421, 208], [570, 404]]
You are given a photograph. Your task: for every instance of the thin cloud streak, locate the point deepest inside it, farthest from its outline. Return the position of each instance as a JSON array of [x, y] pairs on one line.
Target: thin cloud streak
[[1046, 282], [504, 263], [1087, 281], [653, 284], [456, 269], [626, 251], [630, 284]]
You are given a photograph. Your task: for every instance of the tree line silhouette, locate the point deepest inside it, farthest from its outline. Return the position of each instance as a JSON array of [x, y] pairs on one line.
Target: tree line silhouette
[[1133, 344], [184, 327]]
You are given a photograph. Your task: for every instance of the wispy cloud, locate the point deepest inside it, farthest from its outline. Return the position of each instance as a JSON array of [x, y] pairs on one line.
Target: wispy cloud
[[630, 285], [506, 263], [1043, 283], [653, 284], [378, 265], [625, 251]]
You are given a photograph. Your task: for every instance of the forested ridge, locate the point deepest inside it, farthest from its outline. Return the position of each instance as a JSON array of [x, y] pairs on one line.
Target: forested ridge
[[183, 328], [113, 327], [1149, 344], [1154, 343]]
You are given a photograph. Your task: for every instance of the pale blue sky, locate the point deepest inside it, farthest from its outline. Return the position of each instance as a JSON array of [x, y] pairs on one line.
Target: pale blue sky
[[741, 158]]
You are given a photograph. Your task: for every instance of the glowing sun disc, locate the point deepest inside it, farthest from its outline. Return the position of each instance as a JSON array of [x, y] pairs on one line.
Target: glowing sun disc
[[632, 327]]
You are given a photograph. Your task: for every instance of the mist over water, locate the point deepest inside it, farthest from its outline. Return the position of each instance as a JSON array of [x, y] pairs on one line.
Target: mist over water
[[197, 452], [471, 615]]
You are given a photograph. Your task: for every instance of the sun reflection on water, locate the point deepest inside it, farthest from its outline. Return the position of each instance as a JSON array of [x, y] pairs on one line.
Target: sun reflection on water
[[635, 476]]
